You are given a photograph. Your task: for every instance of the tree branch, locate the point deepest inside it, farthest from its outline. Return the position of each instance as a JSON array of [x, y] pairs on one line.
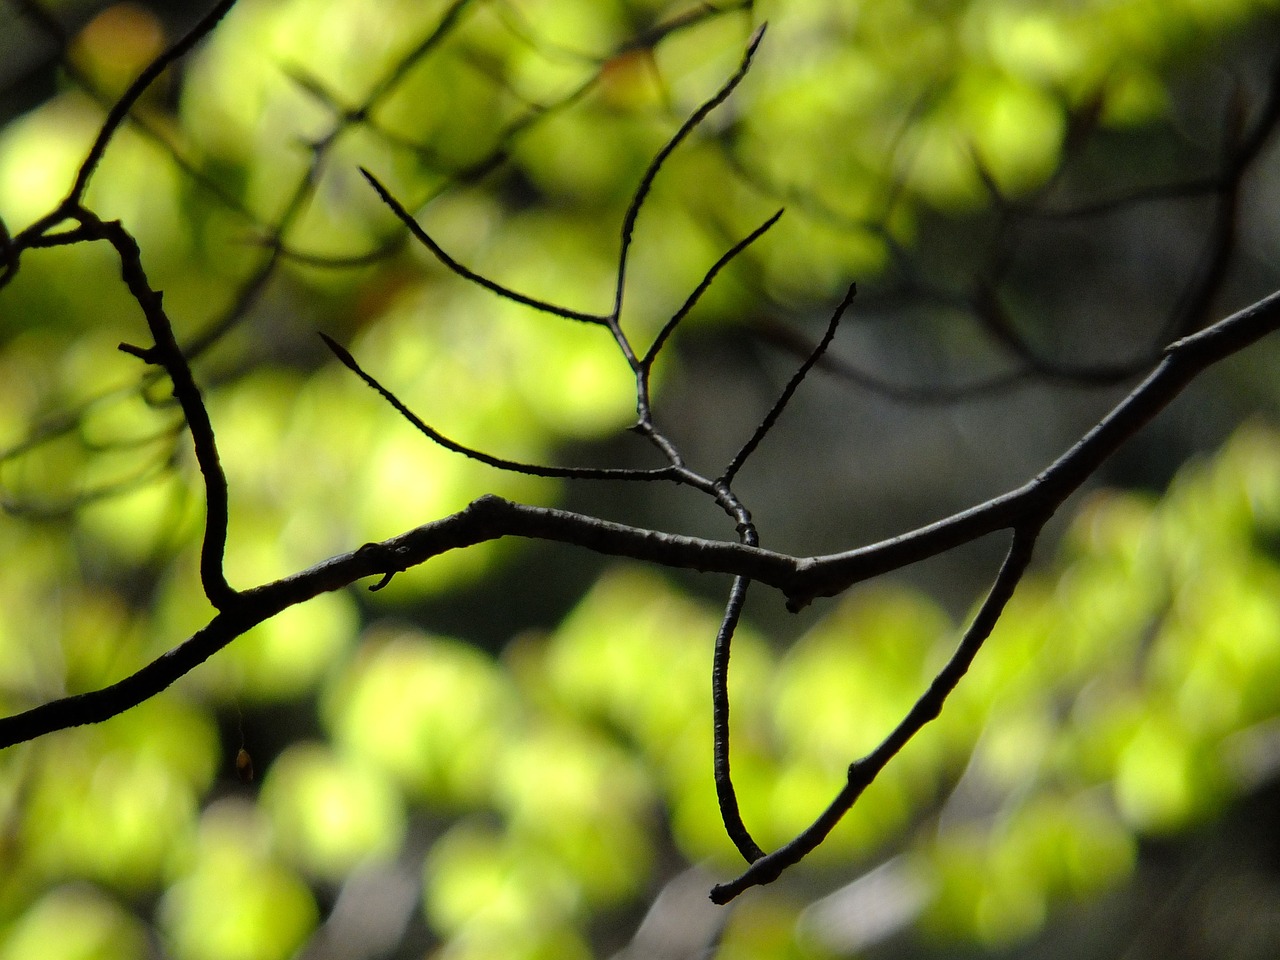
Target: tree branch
[[1183, 362], [799, 579], [862, 772]]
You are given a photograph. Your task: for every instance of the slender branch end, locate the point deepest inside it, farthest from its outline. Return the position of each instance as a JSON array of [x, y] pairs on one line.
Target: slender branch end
[[339, 351]]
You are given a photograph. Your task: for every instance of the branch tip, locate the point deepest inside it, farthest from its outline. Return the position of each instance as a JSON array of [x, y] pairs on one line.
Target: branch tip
[[340, 352]]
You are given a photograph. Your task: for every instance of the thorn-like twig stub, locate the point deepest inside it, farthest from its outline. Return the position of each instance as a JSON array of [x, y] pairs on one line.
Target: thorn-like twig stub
[[145, 354]]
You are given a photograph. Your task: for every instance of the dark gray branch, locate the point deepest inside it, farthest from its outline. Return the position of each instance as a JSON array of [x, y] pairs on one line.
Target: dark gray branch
[[1183, 362], [799, 579], [862, 772]]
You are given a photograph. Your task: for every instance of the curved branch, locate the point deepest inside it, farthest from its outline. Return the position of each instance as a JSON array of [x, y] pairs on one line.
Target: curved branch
[[169, 356], [862, 772], [726, 797], [117, 114], [501, 463], [467, 273]]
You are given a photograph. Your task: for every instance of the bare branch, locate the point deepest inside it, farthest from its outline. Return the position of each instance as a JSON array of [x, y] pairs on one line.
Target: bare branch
[[116, 116], [800, 579], [167, 354], [726, 796], [1023, 510], [514, 466], [467, 274], [488, 518], [862, 772], [1183, 362], [793, 384], [655, 165]]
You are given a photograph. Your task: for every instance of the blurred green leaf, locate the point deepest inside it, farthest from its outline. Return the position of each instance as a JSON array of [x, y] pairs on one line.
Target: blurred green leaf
[[486, 887], [432, 712], [586, 802], [74, 922], [236, 902], [331, 813]]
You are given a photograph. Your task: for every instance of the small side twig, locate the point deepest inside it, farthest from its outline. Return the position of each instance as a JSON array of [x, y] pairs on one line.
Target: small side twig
[[466, 273], [788, 392], [694, 120], [514, 466], [644, 370]]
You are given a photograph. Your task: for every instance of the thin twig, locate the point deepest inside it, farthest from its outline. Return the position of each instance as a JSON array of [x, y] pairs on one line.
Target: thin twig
[[514, 466], [438, 252], [117, 114], [726, 796], [703, 285], [788, 392], [655, 165]]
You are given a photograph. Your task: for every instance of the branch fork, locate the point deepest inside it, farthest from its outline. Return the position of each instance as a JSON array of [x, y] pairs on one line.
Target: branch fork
[[1023, 511]]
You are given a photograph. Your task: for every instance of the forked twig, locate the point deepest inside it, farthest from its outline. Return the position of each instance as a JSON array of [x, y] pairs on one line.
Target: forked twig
[[800, 579], [676, 471]]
